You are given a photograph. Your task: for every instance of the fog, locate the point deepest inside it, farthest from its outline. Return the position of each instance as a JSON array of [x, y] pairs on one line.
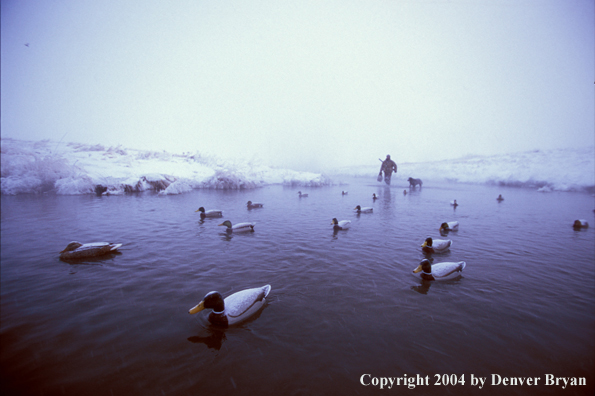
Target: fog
[[305, 85]]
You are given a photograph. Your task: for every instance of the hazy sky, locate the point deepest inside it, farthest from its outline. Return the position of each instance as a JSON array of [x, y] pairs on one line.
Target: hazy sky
[[302, 84]]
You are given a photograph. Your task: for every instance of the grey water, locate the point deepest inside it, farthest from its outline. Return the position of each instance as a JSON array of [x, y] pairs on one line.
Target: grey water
[[343, 304]]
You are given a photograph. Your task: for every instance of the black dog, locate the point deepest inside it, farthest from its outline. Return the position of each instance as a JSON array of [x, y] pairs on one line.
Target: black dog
[[414, 182]]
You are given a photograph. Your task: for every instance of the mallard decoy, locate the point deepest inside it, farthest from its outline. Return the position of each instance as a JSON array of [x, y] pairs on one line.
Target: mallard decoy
[[441, 271], [235, 308], [240, 227], [500, 198], [580, 224], [76, 250], [359, 209], [209, 213], [449, 226], [436, 245], [340, 225], [254, 205], [302, 195]]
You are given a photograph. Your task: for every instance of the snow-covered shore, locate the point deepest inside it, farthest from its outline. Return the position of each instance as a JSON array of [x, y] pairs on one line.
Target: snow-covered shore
[[547, 170], [73, 168]]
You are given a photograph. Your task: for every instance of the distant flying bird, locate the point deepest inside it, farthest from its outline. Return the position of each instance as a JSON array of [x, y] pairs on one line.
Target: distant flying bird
[[26, 44]]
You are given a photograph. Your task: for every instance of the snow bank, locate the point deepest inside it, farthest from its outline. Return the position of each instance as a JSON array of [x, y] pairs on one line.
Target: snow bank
[[73, 168], [548, 170]]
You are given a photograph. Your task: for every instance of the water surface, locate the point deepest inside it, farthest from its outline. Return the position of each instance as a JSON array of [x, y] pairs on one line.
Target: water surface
[[342, 304]]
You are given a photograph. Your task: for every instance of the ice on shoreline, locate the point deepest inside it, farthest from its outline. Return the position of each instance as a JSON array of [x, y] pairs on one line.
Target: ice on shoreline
[[73, 168], [545, 170]]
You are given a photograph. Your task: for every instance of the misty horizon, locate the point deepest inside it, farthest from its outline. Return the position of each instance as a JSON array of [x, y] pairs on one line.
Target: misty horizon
[[307, 86]]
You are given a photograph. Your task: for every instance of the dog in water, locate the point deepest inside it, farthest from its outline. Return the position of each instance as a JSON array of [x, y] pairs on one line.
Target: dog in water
[[414, 182]]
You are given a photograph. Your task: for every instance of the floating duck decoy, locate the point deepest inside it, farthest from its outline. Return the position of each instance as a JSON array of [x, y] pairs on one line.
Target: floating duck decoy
[[580, 224], [449, 226], [76, 250], [340, 225], [500, 198], [302, 195], [404, 192], [454, 203], [254, 205], [235, 308], [436, 245], [441, 271], [240, 227], [344, 192], [209, 213], [359, 209], [374, 197]]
